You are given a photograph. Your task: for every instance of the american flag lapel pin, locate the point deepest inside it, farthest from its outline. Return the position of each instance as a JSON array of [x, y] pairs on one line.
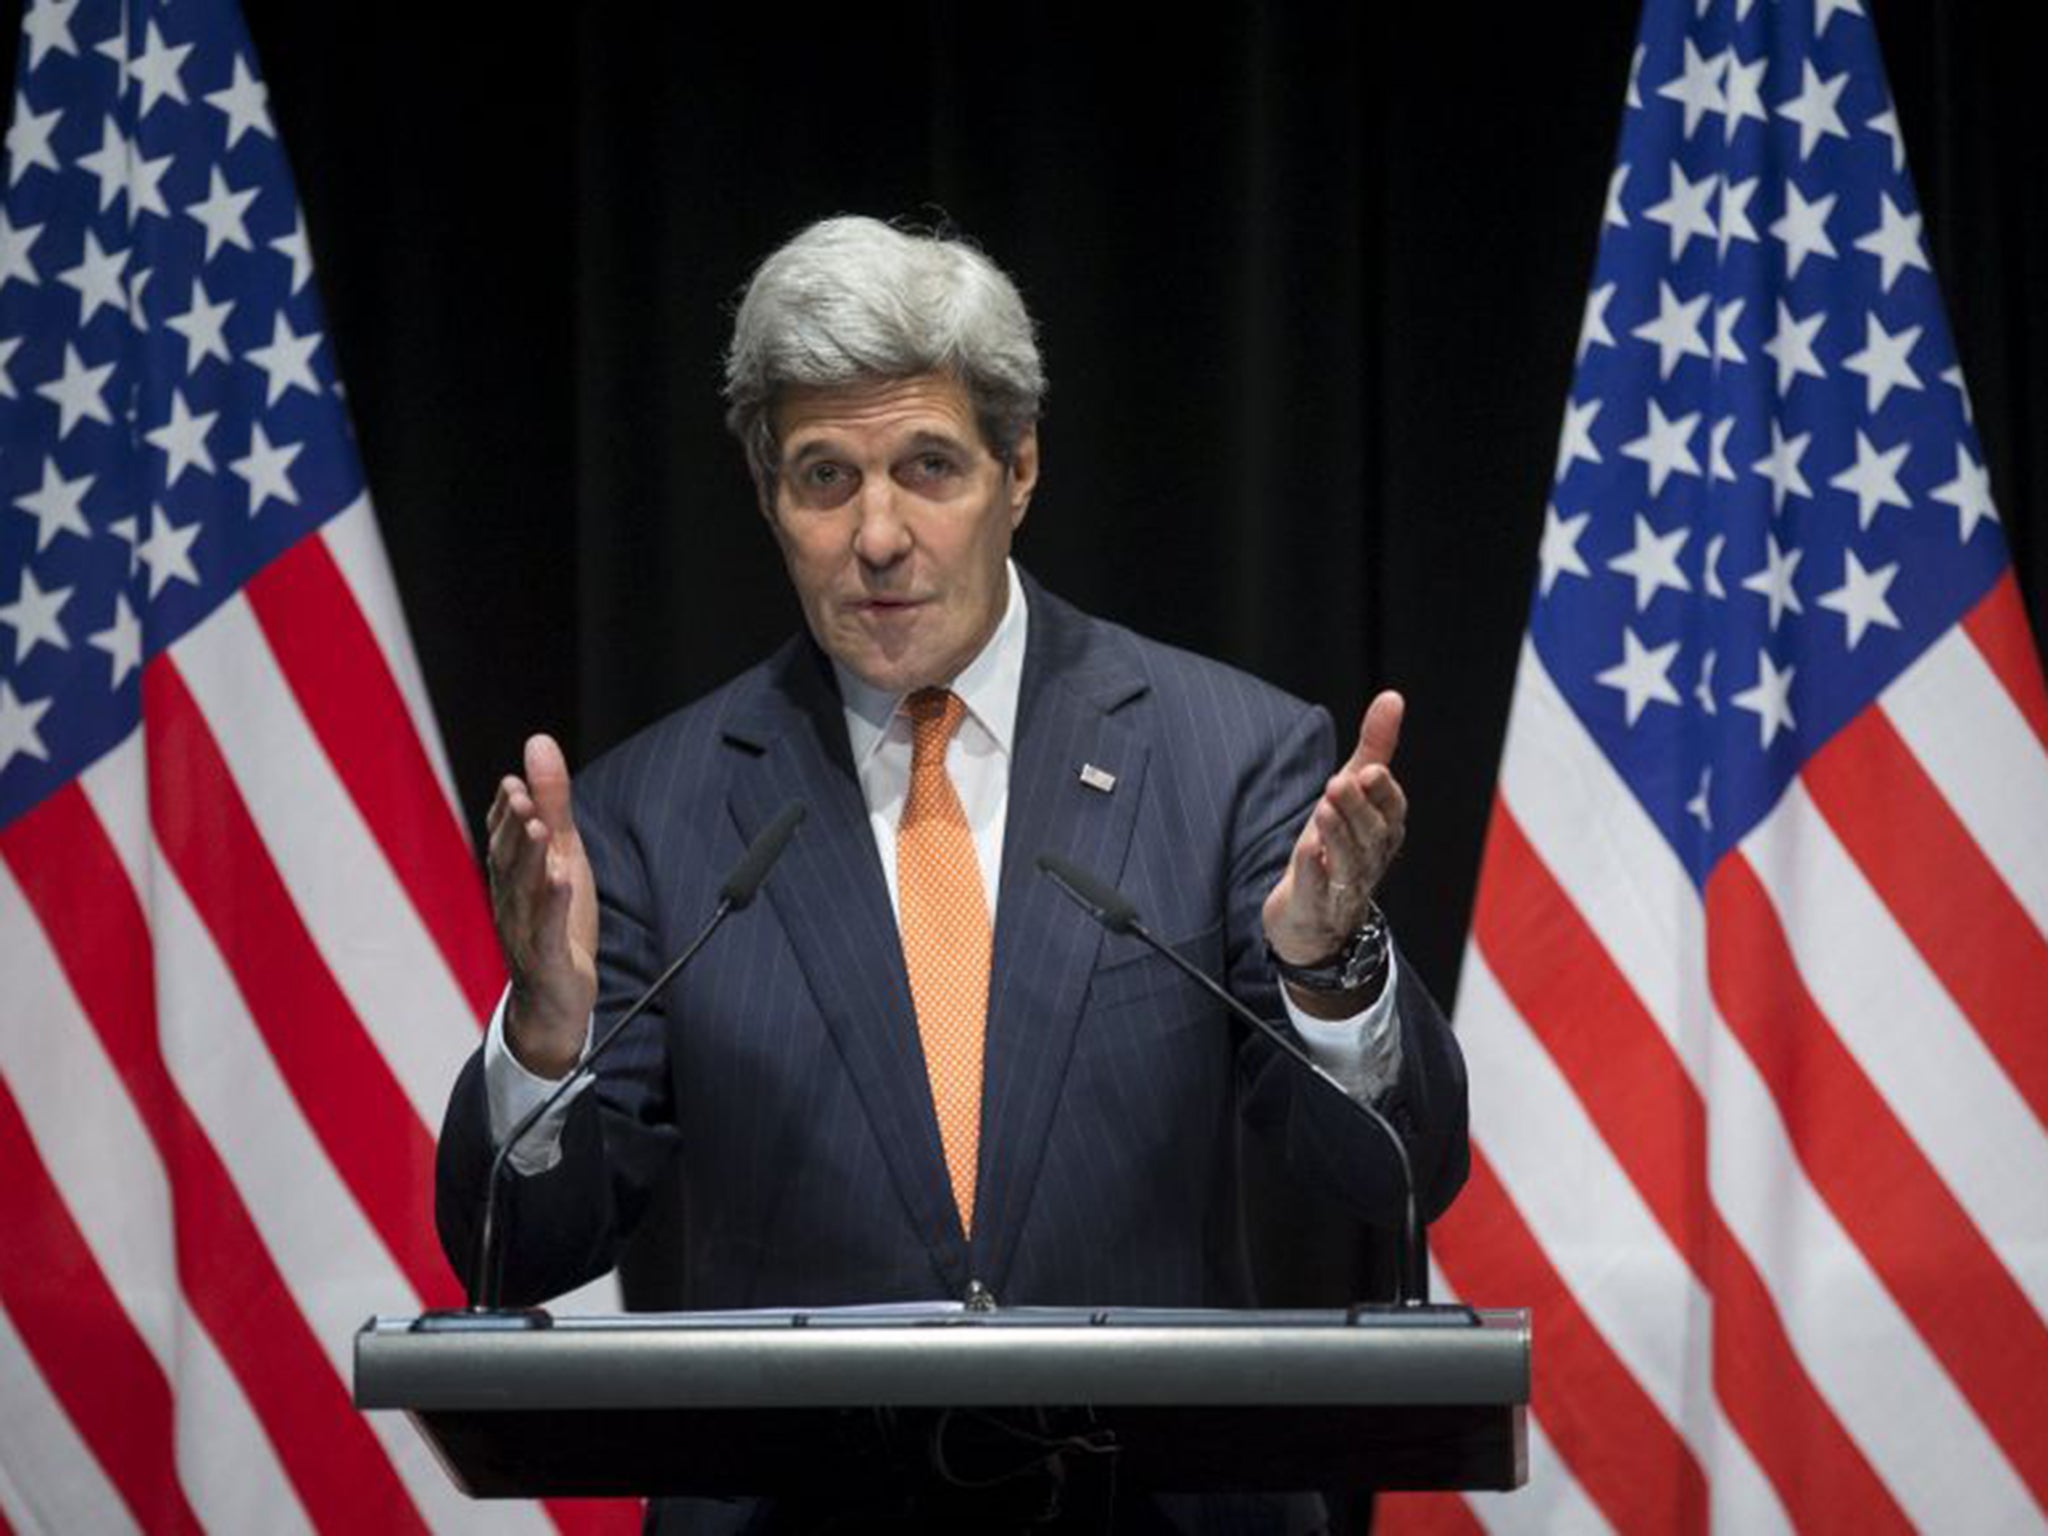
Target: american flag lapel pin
[[1097, 778]]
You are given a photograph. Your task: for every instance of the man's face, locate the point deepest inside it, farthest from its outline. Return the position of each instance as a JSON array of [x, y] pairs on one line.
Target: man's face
[[895, 520]]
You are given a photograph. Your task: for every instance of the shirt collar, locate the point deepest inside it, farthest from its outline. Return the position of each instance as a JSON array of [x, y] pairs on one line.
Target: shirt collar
[[988, 685]]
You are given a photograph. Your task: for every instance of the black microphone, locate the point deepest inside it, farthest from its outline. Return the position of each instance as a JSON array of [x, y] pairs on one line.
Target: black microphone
[[486, 1280], [1115, 911], [746, 877], [1101, 901]]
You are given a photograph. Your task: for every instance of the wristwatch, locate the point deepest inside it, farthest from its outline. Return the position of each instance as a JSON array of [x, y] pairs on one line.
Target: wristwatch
[[1360, 963]]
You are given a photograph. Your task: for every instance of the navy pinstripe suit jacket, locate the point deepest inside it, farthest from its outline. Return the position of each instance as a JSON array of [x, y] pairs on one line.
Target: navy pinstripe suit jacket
[[784, 1067]]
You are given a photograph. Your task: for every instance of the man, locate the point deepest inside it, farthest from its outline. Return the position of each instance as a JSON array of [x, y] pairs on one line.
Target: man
[[914, 1069]]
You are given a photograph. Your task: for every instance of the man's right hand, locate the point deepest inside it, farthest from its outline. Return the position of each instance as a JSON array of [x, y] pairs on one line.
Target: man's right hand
[[544, 901]]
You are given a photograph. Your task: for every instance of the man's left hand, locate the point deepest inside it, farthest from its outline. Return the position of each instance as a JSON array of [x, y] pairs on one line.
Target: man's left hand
[[1344, 849]]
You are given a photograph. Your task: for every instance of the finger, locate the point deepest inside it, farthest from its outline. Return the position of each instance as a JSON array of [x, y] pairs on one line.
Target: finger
[[1347, 843], [515, 829], [552, 894], [547, 774], [518, 852], [1371, 800], [512, 807], [498, 840], [1370, 812], [1307, 864], [512, 802], [1383, 792], [1379, 732]]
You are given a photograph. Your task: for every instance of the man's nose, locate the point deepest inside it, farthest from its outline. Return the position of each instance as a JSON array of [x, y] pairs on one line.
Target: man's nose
[[882, 535]]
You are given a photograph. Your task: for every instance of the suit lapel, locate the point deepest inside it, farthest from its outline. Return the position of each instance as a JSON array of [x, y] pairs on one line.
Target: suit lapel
[[830, 898], [1074, 682]]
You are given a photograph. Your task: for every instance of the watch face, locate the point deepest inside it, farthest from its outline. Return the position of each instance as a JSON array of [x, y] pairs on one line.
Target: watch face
[[1364, 957], [1367, 955]]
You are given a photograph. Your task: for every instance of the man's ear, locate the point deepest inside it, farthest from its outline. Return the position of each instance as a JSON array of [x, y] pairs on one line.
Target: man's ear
[[1023, 473]]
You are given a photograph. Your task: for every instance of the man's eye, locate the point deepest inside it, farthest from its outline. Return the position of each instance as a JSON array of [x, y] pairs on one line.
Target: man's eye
[[931, 466], [823, 476]]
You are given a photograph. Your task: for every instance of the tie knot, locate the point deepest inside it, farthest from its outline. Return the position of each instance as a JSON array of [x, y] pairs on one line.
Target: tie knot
[[935, 714]]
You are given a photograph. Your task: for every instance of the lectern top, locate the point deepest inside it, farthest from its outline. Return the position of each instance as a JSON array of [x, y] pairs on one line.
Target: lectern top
[[931, 1356]]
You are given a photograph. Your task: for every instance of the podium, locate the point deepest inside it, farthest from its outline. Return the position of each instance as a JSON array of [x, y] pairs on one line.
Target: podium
[[750, 1403]]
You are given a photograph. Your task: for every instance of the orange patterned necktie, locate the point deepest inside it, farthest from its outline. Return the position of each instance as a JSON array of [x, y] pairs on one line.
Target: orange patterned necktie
[[943, 910]]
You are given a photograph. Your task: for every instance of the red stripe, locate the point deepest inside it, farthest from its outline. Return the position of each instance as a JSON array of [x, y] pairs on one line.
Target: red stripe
[[1564, 983], [1936, 883], [1637, 1094], [89, 1353], [337, 672], [597, 1517], [1875, 1178], [1998, 627], [1620, 1447], [1822, 1476], [1424, 1514], [345, 1089], [76, 886]]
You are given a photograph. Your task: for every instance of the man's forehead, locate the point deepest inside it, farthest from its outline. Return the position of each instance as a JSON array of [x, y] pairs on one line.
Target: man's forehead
[[929, 405]]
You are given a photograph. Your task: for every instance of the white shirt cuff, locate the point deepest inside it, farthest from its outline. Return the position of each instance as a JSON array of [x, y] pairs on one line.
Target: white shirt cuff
[[1362, 1052], [513, 1092]]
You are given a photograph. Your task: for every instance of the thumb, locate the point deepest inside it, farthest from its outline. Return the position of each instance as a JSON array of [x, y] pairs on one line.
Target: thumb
[[1379, 733], [547, 776]]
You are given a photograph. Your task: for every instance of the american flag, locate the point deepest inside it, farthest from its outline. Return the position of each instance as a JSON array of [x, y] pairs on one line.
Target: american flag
[[1756, 996], [242, 943]]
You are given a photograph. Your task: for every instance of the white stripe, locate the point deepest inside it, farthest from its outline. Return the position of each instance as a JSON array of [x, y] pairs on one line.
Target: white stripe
[[85, 1127], [228, 1467], [331, 1258], [49, 1480], [351, 537], [1951, 709], [1906, 1032], [357, 913], [333, 1262], [1595, 1229], [1865, 1359], [117, 788], [1601, 847], [113, 1183], [1740, 1499], [1863, 1355]]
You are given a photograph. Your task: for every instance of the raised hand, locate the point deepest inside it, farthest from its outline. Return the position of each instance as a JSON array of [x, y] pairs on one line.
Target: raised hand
[[544, 902], [1344, 848]]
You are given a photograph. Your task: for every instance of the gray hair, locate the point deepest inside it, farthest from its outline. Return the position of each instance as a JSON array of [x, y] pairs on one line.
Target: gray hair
[[849, 300]]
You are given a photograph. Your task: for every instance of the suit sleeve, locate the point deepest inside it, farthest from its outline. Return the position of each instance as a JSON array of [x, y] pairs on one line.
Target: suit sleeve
[[1325, 1141]]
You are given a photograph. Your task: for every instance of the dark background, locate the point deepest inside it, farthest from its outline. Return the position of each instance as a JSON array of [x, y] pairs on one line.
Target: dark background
[[1309, 281]]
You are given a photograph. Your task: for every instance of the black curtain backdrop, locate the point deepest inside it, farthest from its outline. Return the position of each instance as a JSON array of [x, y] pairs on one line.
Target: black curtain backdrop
[[1309, 279]]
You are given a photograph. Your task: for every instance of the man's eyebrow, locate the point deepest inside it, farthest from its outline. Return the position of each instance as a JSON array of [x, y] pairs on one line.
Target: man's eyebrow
[[924, 441], [921, 442], [804, 452]]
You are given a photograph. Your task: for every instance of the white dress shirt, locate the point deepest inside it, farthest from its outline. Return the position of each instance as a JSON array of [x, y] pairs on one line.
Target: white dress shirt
[[1362, 1052]]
